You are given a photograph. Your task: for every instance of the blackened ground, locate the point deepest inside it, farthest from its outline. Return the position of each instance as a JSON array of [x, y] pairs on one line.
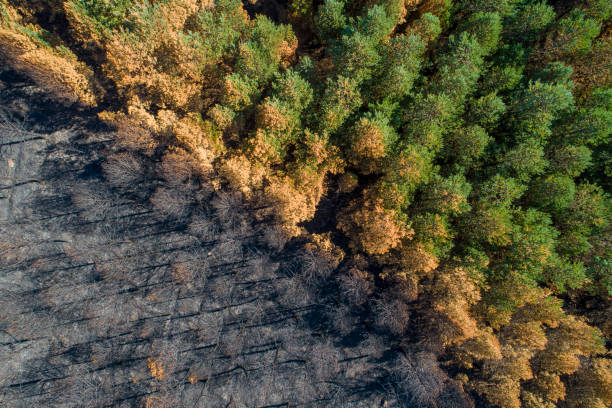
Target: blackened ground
[[120, 289]]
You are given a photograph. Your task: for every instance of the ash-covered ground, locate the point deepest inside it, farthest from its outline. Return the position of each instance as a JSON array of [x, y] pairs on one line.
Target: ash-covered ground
[[121, 286]]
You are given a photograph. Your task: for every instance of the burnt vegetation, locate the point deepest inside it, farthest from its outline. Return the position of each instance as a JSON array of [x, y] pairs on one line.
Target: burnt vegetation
[[120, 288]]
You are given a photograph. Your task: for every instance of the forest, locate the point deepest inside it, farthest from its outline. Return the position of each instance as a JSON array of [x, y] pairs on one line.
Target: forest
[[306, 203]]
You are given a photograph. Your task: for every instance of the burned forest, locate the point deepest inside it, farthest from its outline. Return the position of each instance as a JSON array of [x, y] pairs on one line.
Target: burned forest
[[119, 288]]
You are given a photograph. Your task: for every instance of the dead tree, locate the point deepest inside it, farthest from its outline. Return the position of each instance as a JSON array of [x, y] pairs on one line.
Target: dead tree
[[123, 170]]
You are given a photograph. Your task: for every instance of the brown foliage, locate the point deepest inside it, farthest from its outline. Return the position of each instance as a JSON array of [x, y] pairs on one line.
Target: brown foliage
[[241, 174], [571, 339], [368, 146], [63, 75], [453, 293], [594, 69], [373, 228], [592, 385], [133, 132], [289, 204], [413, 259], [483, 346], [546, 388]]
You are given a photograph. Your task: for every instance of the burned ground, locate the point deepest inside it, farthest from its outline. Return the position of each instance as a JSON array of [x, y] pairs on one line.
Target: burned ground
[[119, 288]]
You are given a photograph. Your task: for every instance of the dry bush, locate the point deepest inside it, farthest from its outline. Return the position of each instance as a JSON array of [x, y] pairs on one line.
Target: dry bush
[[203, 228], [392, 314], [356, 286], [177, 167], [86, 198], [406, 288], [320, 258], [160, 400], [323, 361], [171, 203], [274, 237], [419, 379], [232, 343], [228, 250], [228, 206], [164, 359], [314, 267], [294, 293], [123, 170], [374, 346], [343, 320], [347, 182], [208, 326], [454, 396], [222, 289], [135, 132]]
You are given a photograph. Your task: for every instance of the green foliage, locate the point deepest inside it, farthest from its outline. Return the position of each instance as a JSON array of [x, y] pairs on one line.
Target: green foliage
[[427, 27], [376, 24], [525, 160], [500, 190], [487, 110], [486, 27], [107, 14], [427, 120], [533, 241], [598, 10], [589, 212], [341, 97], [446, 195], [536, 106], [574, 34], [401, 61], [214, 33], [330, 20], [553, 192], [570, 160], [406, 171], [590, 124], [502, 78], [503, 7], [467, 144], [239, 91], [530, 21], [434, 232], [292, 89], [356, 56], [4, 15], [460, 68], [258, 57], [300, 8], [371, 141], [556, 73], [357, 53], [600, 271], [488, 225], [565, 275]]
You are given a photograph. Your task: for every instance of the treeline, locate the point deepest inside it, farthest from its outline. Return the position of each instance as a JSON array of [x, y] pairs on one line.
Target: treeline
[[468, 144]]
